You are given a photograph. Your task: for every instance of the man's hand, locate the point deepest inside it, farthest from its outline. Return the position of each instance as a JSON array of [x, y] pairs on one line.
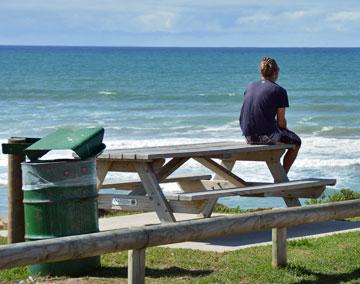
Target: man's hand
[[280, 117]]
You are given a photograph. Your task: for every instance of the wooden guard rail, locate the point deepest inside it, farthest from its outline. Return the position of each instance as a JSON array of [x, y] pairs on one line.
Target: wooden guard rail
[[138, 238]]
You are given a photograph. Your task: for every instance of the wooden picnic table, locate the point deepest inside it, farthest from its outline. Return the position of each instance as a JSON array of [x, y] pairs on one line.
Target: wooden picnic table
[[155, 165]]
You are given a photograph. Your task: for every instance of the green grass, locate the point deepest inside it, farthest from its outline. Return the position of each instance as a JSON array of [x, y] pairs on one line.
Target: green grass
[[12, 274], [331, 259]]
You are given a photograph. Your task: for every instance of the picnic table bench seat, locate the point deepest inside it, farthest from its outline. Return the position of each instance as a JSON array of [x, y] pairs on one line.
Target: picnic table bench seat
[[305, 188], [180, 202]]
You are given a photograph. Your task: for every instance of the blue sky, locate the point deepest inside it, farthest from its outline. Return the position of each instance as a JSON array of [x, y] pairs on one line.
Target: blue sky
[[229, 23]]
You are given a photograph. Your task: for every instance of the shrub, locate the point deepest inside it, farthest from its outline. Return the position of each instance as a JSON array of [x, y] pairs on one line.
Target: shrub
[[342, 195]]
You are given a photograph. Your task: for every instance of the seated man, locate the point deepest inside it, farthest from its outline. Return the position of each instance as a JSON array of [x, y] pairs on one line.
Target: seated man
[[262, 118]]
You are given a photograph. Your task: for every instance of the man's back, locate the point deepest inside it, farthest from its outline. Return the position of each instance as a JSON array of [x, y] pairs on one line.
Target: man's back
[[261, 101]]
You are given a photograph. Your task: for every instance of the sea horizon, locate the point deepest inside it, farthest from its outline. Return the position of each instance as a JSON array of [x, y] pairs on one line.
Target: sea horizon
[[175, 46]]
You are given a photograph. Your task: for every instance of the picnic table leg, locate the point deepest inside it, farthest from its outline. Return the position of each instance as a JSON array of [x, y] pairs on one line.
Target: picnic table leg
[[102, 169], [209, 207], [170, 167], [279, 175], [221, 171], [163, 172], [154, 191]]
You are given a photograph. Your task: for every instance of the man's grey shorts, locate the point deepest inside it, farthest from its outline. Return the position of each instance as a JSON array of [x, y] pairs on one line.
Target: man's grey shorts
[[280, 136]]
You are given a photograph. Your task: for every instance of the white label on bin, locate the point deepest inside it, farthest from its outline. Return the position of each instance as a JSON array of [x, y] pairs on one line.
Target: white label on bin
[[124, 202]]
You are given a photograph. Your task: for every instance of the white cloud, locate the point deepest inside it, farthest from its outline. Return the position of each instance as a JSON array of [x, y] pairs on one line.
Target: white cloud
[[344, 21], [295, 15], [254, 19], [156, 22], [345, 16]]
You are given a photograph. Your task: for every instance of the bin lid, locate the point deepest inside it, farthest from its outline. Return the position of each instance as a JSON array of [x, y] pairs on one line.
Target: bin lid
[[17, 145], [85, 142]]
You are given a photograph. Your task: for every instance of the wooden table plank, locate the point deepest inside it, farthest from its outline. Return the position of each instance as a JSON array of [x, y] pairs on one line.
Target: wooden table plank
[[187, 150], [166, 148], [110, 201], [199, 147], [183, 146], [134, 184]]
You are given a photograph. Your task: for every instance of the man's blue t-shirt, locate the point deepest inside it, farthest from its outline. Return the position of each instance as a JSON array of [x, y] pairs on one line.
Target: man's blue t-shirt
[[261, 101]]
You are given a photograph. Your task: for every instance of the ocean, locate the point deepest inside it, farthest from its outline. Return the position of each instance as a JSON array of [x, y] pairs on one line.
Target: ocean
[[162, 96]]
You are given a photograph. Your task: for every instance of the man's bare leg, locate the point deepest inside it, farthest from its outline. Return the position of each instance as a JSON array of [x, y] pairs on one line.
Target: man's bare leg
[[290, 157]]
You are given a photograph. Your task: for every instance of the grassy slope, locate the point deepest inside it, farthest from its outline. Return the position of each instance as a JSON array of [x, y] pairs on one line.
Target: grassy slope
[[332, 259]]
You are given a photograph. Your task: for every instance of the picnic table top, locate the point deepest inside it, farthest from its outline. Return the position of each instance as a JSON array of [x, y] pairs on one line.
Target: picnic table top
[[187, 150]]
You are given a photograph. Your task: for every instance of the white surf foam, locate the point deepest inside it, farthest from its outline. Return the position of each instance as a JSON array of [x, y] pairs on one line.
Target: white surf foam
[[326, 128], [231, 127], [326, 148], [106, 93]]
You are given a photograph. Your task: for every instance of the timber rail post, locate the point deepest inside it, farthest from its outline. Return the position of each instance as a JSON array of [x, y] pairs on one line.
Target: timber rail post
[[16, 223], [15, 151], [138, 238]]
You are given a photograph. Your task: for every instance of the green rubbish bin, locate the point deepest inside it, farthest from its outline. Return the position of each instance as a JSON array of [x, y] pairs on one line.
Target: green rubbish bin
[[60, 199]]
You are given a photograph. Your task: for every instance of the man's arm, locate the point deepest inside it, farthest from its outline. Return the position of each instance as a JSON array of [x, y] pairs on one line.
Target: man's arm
[[280, 117]]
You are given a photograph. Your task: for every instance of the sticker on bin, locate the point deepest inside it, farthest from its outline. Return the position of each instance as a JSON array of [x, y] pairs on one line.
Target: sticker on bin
[[124, 202]]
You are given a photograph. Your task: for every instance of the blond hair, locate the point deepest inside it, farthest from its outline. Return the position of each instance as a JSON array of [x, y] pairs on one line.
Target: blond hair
[[268, 67]]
